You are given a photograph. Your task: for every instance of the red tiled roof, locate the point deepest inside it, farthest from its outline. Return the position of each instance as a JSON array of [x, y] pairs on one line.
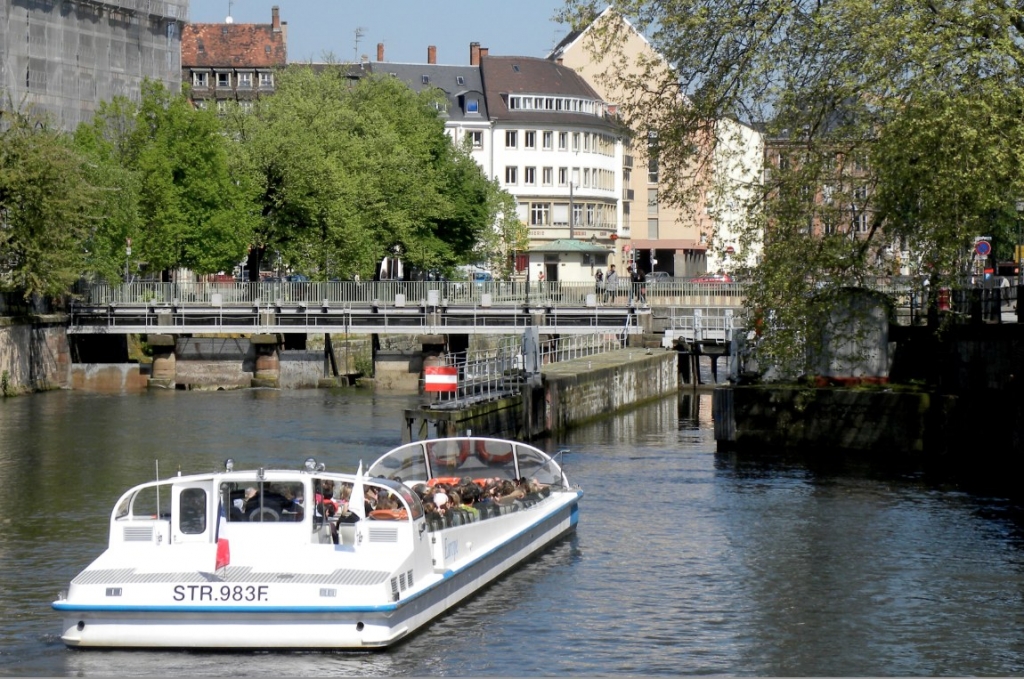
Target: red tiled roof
[[233, 46]]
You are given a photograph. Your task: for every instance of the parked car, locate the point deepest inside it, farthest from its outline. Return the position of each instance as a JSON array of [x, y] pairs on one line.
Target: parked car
[[712, 278], [658, 277]]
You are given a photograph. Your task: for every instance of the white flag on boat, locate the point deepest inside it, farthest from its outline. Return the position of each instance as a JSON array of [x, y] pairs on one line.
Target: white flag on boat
[[357, 503], [223, 547]]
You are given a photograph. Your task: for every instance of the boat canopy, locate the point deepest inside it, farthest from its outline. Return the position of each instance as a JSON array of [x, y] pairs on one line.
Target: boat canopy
[[476, 458]]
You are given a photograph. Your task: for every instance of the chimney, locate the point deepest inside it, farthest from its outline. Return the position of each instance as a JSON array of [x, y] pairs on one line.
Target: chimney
[[275, 19], [474, 54], [484, 51], [380, 51], [431, 54]]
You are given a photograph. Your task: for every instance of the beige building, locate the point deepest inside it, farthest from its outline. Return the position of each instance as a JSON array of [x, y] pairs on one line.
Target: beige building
[[681, 239]]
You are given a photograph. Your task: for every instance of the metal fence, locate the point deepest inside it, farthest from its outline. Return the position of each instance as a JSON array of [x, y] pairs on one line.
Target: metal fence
[[401, 294], [490, 374]]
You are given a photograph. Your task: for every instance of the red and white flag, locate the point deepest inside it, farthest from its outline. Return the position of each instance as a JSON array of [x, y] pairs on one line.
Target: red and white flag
[[223, 548], [440, 378]]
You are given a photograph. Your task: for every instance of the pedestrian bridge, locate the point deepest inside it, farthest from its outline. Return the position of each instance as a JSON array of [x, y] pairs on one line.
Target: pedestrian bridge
[[390, 307]]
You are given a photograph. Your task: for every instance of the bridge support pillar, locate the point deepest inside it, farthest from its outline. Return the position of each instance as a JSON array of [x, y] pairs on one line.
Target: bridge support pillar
[[164, 362], [268, 361]]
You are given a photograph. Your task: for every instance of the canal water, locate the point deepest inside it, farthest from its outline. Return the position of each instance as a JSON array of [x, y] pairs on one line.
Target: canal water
[[685, 562]]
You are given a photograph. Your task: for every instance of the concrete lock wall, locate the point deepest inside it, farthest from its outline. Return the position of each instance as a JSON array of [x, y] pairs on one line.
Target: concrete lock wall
[[595, 389], [109, 378], [33, 356]]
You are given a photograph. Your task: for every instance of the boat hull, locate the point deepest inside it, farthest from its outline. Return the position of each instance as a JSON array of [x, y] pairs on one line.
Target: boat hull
[[313, 627]]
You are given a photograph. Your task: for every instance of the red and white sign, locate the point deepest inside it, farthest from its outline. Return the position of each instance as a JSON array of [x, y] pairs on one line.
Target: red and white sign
[[440, 378]]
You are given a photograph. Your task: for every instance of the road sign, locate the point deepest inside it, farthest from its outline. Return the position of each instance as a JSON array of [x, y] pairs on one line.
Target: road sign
[[982, 248], [440, 378]]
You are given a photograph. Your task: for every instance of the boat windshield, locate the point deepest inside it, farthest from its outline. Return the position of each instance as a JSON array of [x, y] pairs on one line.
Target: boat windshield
[[476, 458]]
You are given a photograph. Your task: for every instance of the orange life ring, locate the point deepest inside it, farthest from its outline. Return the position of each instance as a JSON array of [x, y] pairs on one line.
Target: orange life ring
[[389, 514], [488, 457], [448, 458], [447, 480]]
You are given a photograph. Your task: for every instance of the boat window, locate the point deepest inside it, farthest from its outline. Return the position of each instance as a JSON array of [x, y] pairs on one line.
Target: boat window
[[192, 517], [401, 464], [265, 501], [533, 465], [146, 503]]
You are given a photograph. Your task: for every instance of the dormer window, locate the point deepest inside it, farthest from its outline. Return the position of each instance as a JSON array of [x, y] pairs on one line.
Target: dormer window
[[472, 106], [425, 79], [200, 79]]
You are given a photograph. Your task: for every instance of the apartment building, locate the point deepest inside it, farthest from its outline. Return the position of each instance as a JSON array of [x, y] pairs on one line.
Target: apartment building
[[681, 240], [231, 62]]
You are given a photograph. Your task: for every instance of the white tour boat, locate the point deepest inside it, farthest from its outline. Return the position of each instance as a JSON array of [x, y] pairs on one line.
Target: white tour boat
[[254, 559]]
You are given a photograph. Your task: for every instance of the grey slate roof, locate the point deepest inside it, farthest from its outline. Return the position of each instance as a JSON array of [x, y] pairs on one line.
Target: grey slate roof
[[530, 75], [459, 83]]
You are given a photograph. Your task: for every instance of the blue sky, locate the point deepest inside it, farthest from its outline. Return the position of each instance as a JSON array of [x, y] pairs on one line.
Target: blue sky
[[406, 27]]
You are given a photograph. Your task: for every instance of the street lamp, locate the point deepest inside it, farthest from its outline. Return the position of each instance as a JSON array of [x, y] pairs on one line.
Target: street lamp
[[572, 209], [1018, 254]]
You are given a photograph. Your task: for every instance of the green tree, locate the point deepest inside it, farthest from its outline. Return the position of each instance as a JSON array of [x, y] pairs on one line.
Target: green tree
[[349, 171], [893, 131], [47, 207], [183, 201]]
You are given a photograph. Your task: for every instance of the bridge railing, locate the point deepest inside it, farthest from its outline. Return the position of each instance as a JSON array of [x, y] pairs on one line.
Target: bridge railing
[[404, 293]]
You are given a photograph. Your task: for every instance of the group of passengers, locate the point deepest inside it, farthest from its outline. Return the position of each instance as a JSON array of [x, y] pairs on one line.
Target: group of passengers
[[464, 500]]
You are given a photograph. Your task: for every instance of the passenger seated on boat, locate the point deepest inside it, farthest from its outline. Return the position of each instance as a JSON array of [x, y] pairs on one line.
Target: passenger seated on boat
[[467, 506], [509, 493], [273, 506]]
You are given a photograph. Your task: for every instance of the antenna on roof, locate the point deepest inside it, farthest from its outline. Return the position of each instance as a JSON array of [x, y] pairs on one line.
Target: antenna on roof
[[229, 19], [360, 32]]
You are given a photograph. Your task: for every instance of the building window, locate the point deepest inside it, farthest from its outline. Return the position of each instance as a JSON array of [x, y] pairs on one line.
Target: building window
[[222, 106], [575, 141], [577, 214], [223, 80], [591, 212], [245, 81], [860, 222], [245, 105], [511, 174], [563, 176], [200, 80], [586, 176], [652, 201], [586, 141], [652, 157], [652, 229], [563, 141], [511, 139], [539, 214], [266, 79], [530, 176], [548, 139], [530, 140], [472, 106], [547, 176], [201, 104], [476, 138]]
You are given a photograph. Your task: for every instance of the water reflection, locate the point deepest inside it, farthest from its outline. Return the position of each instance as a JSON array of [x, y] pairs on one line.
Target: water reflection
[[686, 561]]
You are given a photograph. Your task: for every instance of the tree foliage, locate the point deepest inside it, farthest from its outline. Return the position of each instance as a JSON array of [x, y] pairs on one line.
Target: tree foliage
[[47, 207], [352, 171], [182, 201], [893, 130]]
